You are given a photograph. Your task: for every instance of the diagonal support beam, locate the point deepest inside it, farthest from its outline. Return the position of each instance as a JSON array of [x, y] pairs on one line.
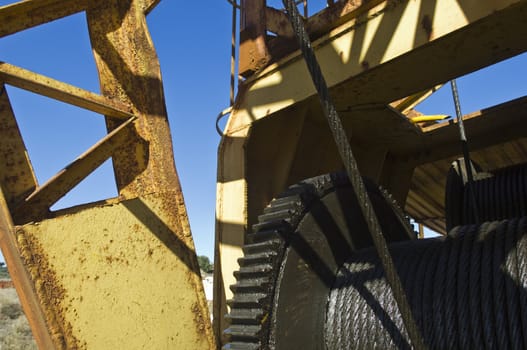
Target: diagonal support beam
[[17, 179], [30, 13], [441, 141], [38, 203], [58, 90], [405, 105], [149, 5]]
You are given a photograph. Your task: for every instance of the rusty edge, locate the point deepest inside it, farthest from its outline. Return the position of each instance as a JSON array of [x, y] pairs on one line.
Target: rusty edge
[[31, 13], [38, 203], [58, 90], [17, 177], [27, 14], [23, 277], [49, 291]]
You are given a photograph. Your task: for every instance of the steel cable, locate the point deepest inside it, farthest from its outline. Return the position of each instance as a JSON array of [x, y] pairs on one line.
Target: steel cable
[[344, 148], [511, 264], [481, 305], [451, 290], [464, 148], [462, 300]]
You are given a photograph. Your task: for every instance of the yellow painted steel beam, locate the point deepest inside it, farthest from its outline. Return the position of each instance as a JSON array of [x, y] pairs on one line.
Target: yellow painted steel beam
[[21, 277], [30, 13], [129, 72], [17, 178], [37, 204], [58, 90], [485, 128], [406, 104], [373, 58], [428, 118]]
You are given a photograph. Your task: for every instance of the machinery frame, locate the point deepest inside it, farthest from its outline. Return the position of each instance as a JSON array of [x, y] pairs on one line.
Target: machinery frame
[[79, 270], [376, 58]]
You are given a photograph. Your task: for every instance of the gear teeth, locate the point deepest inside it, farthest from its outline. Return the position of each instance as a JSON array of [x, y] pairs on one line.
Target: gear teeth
[[246, 316], [247, 300], [273, 216], [244, 332], [257, 271], [405, 220], [257, 258], [292, 203], [250, 314], [256, 285], [263, 246], [269, 225], [241, 346], [273, 234]]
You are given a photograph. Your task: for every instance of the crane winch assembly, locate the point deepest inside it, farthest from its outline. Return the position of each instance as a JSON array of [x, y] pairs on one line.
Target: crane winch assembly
[[314, 248]]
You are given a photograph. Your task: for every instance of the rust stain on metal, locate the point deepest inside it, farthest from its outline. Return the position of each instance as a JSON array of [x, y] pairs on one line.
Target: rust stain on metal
[[51, 293], [16, 174], [172, 206], [198, 317], [129, 72]]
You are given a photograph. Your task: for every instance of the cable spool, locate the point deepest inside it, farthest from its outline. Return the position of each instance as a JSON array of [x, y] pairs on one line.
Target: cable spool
[[499, 196], [467, 291]]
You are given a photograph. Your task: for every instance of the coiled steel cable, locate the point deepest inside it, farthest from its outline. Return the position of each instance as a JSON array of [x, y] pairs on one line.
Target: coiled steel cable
[[501, 196], [476, 298]]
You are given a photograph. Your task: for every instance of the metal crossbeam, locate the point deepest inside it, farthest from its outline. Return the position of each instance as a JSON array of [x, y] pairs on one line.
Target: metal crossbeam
[[58, 90], [31, 13], [38, 203]]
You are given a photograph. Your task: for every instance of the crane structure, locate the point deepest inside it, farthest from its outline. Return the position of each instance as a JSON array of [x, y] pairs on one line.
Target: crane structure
[[293, 256]]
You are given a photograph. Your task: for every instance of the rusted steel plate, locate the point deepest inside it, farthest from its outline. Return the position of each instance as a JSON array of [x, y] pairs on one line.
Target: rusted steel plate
[[118, 277], [253, 47], [129, 72]]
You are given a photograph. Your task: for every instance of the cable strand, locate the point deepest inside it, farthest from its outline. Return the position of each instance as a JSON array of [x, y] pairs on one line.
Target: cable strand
[[350, 164]]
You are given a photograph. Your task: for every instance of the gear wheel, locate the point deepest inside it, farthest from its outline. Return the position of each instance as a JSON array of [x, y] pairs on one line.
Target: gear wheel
[[293, 257]]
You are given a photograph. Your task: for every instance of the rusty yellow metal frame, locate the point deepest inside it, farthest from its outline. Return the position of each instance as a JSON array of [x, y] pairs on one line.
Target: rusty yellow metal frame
[[60, 91], [391, 50], [120, 273]]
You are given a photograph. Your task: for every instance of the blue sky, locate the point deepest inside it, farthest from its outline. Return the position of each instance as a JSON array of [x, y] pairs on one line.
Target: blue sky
[[193, 43]]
